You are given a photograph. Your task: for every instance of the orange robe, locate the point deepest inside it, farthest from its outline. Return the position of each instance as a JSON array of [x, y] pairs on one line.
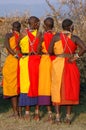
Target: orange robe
[[10, 82], [65, 75], [45, 68]]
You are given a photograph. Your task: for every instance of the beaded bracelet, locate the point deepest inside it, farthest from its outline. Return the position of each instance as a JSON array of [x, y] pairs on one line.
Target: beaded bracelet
[[76, 55], [16, 56]]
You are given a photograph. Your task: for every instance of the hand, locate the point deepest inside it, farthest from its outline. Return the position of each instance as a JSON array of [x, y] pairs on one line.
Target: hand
[[72, 59]]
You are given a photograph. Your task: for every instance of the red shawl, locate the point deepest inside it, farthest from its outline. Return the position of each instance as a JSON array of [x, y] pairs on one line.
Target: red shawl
[[33, 66], [71, 73], [47, 39]]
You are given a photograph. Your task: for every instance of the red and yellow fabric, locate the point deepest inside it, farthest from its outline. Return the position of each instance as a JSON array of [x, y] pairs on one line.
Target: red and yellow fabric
[[33, 65], [45, 67], [65, 75], [10, 67], [29, 65]]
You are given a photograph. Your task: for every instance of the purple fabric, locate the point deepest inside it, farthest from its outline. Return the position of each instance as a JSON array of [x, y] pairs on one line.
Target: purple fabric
[[25, 100], [44, 100], [7, 97]]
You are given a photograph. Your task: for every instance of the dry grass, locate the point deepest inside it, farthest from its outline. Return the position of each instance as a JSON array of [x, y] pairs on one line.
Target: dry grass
[[78, 117]]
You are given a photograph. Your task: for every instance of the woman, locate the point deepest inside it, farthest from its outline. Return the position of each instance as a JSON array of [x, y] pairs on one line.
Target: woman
[[44, 87], [10, 68], [29, 66], [65, 87]]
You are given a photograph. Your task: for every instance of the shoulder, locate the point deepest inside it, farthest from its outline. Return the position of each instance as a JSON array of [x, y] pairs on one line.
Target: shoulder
[[39, 34], [57, 34], [7, 38], [56, 37], [23, 33], [8, 35], [76, 39]]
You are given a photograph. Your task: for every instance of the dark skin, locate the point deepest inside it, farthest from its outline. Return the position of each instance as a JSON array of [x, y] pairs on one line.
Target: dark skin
[[82, 50], [6, 43]]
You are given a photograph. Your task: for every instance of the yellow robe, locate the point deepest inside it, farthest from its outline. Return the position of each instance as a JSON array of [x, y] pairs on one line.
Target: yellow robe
[[24, 71], [10, 72]]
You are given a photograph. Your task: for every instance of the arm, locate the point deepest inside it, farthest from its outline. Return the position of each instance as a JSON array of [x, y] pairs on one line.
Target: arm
[[7, 44], [81, 45], [82, 48]]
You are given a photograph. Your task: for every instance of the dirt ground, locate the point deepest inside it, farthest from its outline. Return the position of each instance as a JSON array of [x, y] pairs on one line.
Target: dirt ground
[[78, 117], [6, 123]]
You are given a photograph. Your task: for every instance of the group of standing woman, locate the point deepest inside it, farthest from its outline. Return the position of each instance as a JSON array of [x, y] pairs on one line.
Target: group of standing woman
[[41, 70]]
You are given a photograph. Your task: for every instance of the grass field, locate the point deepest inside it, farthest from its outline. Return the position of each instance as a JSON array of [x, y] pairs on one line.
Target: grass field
[[78, 117]]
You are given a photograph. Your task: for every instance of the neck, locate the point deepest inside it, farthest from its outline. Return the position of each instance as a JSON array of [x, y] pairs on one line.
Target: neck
[[49, 30], [31, 29], [66, 31], [16, 32]]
